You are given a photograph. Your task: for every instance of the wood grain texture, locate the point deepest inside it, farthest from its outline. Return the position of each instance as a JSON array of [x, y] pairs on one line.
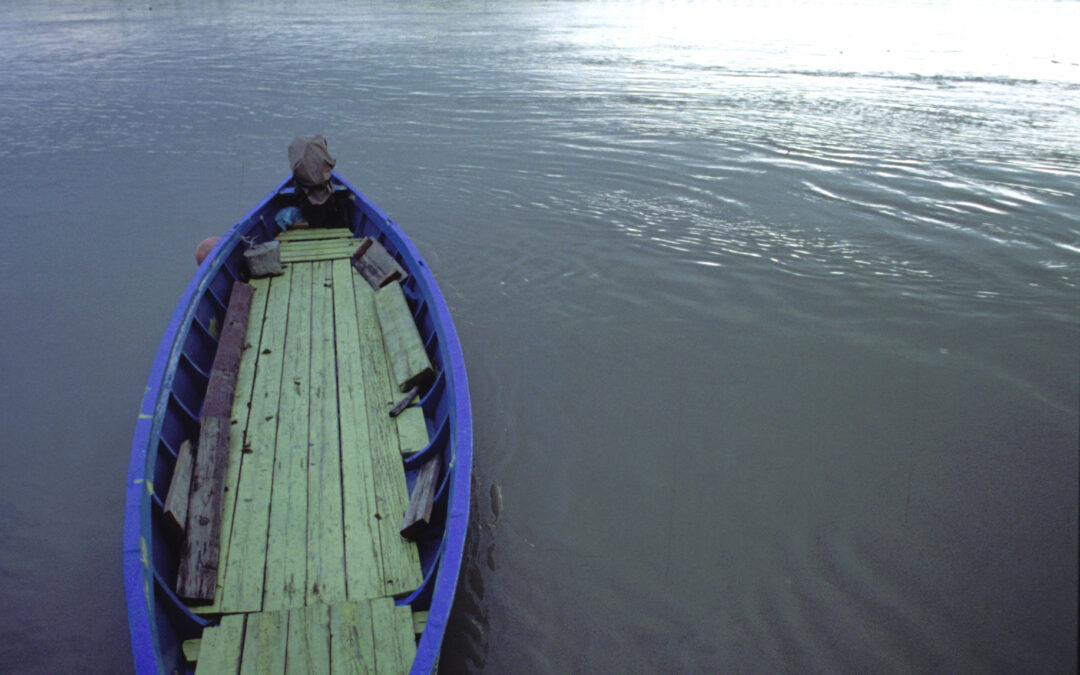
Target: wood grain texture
[[408, 361]]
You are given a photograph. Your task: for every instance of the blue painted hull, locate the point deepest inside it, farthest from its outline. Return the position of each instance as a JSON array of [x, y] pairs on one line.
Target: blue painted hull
[[158, 620]]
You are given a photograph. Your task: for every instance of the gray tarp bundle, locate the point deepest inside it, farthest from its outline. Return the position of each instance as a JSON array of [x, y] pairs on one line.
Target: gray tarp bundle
[[311, 166]]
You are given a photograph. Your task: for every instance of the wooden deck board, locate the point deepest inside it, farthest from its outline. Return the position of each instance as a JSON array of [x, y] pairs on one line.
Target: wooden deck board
[[401, 562], [412, 431], [308, 651], [243, 586], [352, 643], [326, 536], [265, 642], [285, 585], [219, 649], [363, 557], [395, 644], [306, 234]]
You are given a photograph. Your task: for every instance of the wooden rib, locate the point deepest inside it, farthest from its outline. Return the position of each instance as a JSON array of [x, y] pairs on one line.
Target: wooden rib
[[286, 556], [241, 410], [401, 562], [220, 647], [363, 560], [326, 536], [243, 586]]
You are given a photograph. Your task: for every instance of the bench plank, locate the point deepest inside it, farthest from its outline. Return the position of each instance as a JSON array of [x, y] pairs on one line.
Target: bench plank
[[198, 572], [408, 360]]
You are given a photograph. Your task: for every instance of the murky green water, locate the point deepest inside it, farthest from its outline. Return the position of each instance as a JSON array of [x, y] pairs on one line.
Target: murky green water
[[770, 309]]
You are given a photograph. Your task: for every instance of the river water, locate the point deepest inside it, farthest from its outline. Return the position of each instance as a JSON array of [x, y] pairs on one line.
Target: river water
[[770, 308]]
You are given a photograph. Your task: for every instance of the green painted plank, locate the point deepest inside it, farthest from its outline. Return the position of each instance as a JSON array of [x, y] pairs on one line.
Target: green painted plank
[[308, 652], [318, 245], [286, 549], [408, 360], [219, 650], [243, 586], [265, 642], [401, 563], [305, 234], [363, 562], [412, 431], [330, 253], [326, 535], [241, 409], [352, 648], [395, 642]]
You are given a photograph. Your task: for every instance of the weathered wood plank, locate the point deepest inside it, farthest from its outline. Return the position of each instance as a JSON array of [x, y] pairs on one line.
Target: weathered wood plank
[[315, 233], [412, 431], [401, 563], [363, 558], [308, 652], [286, 549], [219, 649], [243, 584], [198, 572], [376, 265], [314, 245], [315, 256], [190, 649], [241, 410], [352, 647], [265, 642], [176, 500], [408, 360], [418, 513], [326, 535], [419, 621], [395, 642]]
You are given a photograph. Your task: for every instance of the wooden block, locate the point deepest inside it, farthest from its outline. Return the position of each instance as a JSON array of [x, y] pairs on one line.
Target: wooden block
[[352, 646], [418, 515], [376, 265], [243, 582], [308, 651], [419, 621], [198, 572], [190, 649], [408, 361], [176, 501], [220, 648], [285, 585], [265, 642]]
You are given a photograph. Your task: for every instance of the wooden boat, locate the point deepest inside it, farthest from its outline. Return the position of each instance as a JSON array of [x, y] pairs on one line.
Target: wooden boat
[[309, 475]]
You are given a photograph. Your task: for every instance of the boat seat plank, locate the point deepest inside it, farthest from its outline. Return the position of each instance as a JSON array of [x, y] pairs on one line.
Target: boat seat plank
[[285, 584], [326, 536], [319, 250], [241, 410], [243, 584], [306, 234], [176, 499], [412, 431], [265, 642], [220, 648], [401, 562], [408, 359], [199, 560], [418, 514], [363, 558]]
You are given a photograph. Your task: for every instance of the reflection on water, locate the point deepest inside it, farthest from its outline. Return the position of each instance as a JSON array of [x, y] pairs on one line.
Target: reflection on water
[[769, 308]]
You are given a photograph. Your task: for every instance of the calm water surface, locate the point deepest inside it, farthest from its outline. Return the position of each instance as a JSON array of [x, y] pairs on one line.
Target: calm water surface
[[770, 309]]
